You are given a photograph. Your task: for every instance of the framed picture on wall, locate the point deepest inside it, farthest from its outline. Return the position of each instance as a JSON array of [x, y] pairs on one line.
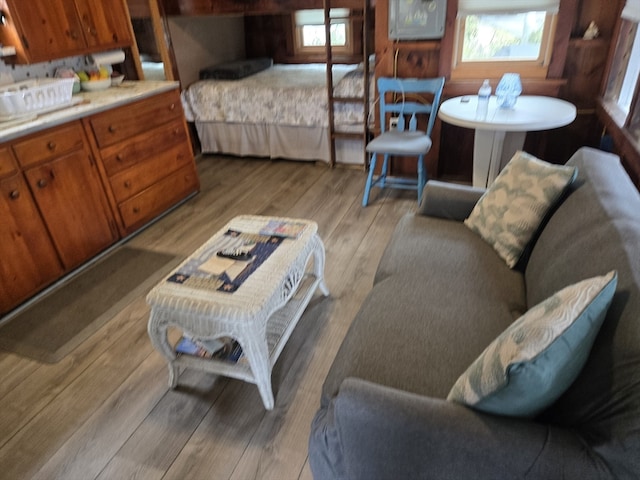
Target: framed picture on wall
[[417, 19]]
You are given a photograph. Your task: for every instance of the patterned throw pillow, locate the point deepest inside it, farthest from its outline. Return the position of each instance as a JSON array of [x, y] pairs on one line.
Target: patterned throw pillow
[[539, 356], [511, 210]]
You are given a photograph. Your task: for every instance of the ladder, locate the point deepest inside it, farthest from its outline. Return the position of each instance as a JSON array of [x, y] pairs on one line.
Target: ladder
[[335, 134]]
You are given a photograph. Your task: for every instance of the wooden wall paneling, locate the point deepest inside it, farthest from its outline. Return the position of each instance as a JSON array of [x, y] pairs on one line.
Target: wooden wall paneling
[[249, 7], [586, 62], [272, 36], [456, 153], [406, 59], [605, 14], [566, 15], [446, 45]]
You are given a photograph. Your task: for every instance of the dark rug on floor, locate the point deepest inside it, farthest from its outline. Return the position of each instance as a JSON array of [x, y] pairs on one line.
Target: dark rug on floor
[[56, 324]]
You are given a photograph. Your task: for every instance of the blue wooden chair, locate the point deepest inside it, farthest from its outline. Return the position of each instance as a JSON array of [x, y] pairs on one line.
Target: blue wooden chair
[[406, 140]]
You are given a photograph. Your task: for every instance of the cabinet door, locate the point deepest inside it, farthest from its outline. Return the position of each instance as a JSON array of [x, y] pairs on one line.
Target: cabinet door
[[47, 28], [29, 260], [105, 23], [71, 198]]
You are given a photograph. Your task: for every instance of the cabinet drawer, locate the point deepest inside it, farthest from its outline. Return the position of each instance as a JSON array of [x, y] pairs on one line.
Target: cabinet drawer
[[149, 203], [144, 174], [135, 118], [7, 165], [50, 144], [124, 155]]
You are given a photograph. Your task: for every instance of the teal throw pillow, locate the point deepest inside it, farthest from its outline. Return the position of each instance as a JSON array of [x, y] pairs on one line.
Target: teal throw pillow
[[539, 356], [509, 213]]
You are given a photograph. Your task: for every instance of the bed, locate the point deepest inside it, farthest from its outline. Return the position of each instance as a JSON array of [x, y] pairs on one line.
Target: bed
[[279, 112]]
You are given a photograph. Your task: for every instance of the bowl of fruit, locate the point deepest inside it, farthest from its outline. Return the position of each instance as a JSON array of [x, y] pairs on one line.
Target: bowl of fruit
[[96, 79]]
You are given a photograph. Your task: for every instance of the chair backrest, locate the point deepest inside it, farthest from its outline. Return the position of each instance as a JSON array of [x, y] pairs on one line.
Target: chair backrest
[[408, 101]]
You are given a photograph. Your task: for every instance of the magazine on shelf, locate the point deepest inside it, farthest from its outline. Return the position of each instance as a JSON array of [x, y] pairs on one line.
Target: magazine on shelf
[[224, 348]]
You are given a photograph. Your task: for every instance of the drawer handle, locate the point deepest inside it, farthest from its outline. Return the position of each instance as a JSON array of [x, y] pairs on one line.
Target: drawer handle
[[74, 34], [112, 128], [14, 195], [119, 157], [127, 184], [42, 183], [136, 210], [93, 31], [176, 131], [51, 145], [172, 106]]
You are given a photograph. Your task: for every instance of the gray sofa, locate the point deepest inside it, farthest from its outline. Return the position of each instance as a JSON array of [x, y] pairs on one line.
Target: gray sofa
[[440, 296]]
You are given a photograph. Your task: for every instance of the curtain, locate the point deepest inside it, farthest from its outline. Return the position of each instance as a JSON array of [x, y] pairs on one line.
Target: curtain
[[631, 10], [466, 7]]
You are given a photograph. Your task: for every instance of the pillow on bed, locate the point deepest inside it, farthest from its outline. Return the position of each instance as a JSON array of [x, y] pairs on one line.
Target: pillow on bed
[[235, 70]]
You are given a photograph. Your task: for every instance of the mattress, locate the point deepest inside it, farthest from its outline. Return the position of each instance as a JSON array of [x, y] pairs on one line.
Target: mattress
[[292, 95]]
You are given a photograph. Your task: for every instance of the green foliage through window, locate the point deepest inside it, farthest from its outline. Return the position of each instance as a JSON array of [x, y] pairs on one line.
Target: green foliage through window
[[503, 37]]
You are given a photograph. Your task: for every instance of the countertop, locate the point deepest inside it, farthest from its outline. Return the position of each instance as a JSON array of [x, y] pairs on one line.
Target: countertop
[[85, 104]]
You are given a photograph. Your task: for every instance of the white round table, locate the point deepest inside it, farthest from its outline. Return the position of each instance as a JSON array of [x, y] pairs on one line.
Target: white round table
[[502, 132]]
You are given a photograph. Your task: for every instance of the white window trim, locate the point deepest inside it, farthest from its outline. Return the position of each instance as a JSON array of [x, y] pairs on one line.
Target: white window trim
[[495, 68], [467, 7]]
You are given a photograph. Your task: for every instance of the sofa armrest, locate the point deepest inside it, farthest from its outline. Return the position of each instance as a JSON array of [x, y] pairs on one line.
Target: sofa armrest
[[375, 432], [448, 200]]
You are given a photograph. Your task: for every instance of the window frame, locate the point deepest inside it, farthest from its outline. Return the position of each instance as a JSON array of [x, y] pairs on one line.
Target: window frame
[[298, 41], [628, 120], [537, 68]]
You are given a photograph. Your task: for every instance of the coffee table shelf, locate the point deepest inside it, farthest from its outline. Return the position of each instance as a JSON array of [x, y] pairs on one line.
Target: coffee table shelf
[[279, 328]]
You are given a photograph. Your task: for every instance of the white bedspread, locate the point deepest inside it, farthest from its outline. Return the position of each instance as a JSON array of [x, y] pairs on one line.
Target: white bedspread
[[292, 95]]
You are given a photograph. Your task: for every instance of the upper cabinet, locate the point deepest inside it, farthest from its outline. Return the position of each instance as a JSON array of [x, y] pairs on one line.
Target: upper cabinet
[[43, 30]]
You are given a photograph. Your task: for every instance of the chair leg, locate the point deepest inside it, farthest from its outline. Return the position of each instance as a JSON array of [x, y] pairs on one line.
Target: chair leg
[[367, 185], [383, 172], [422, 180]]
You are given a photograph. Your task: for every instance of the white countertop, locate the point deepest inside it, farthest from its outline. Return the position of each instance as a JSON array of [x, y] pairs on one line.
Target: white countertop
[[530, 113], [85, 104]]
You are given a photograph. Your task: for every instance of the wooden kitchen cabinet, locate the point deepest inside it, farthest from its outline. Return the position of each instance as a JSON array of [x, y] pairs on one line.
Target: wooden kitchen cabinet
[[73, 190], [146, 155], [42, 30], [29, 260], [65, 182]]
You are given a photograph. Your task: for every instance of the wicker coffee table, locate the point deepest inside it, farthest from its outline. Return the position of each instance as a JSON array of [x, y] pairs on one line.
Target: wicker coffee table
[[260, 313]]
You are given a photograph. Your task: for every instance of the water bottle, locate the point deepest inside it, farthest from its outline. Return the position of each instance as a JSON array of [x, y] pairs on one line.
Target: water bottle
[[483, 100]]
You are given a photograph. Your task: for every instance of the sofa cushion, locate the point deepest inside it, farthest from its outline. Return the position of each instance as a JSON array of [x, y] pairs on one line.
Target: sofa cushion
[[436, 278], [513, 207], [448, 253], [412, 333], [535, 360]]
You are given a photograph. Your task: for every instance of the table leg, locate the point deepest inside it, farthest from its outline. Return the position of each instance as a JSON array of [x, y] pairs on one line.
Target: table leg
[[318, 263], [157, 329], [254, 345], [491, 152]]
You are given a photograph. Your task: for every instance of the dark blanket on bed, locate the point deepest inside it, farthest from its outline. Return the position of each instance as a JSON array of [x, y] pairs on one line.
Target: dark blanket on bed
[[235, 70]]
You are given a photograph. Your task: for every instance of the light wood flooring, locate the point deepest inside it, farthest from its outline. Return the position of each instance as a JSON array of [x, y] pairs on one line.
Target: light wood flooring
[[105, 411]]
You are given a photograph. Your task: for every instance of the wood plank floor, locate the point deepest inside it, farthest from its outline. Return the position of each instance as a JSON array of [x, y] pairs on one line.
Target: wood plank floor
[[105, 411]]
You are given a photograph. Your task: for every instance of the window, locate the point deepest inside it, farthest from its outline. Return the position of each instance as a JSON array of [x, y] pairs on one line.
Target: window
[[621, 93], [498, 36], [310, 30]]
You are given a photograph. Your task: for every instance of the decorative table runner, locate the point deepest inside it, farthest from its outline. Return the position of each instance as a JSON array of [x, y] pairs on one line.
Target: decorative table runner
[[210, 272]]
